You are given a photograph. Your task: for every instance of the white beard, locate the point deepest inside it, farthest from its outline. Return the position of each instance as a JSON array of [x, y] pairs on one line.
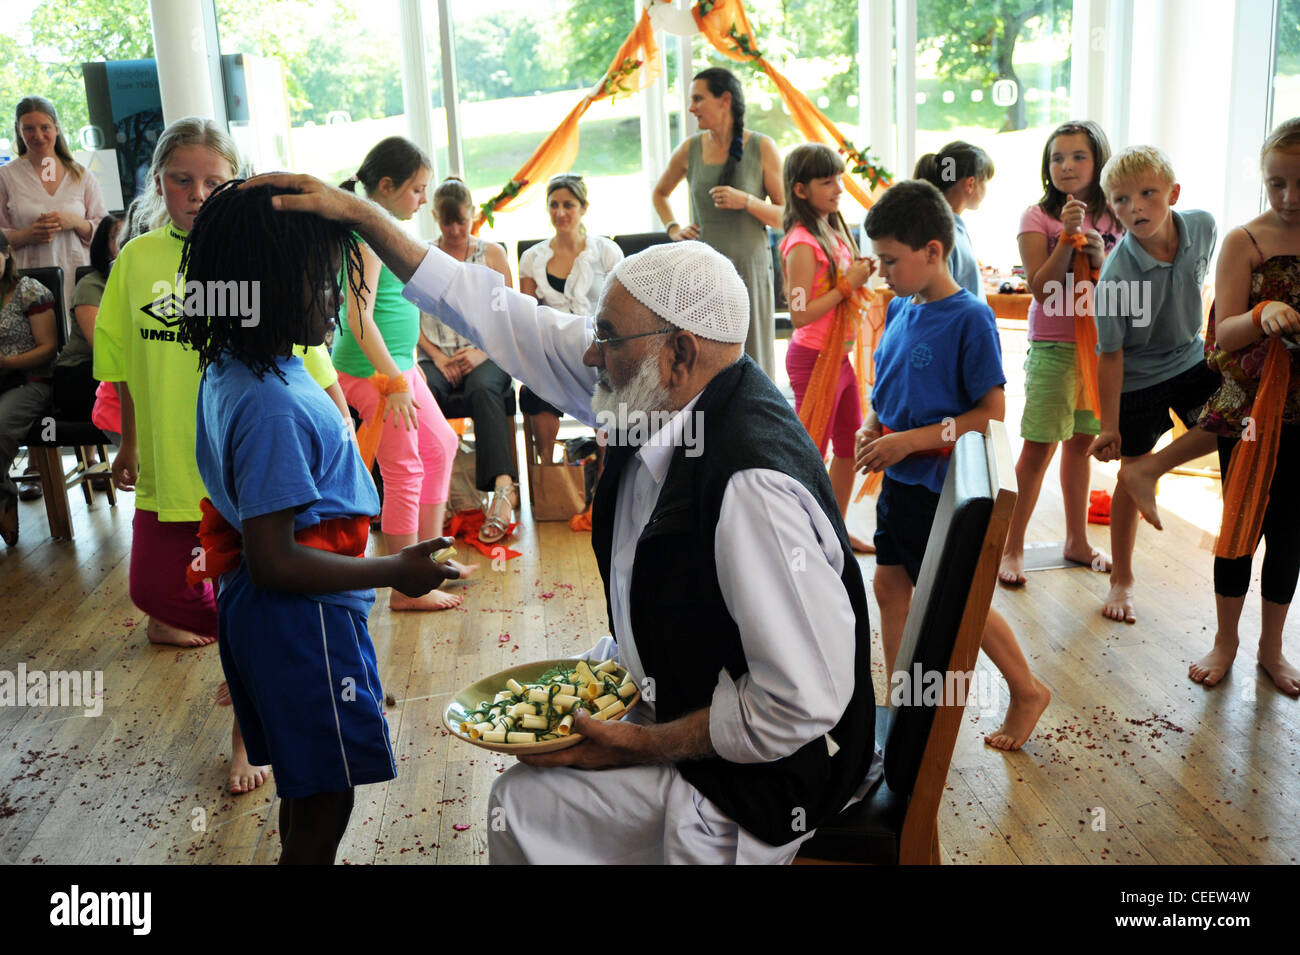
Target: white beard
[[640, 398]]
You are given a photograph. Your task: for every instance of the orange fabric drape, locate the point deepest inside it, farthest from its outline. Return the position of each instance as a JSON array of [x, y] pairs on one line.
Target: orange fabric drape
[[223, 547], [1085, 325], [633, 68], [819, 399], [725, 25], [1250, 470], [369, 433]]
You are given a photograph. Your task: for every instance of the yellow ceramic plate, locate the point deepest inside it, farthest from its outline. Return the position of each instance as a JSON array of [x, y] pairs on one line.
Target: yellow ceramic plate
[[469, 699]]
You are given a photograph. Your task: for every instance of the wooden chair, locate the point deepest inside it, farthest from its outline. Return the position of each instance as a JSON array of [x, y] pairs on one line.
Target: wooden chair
[[897, 822], [49, 434]]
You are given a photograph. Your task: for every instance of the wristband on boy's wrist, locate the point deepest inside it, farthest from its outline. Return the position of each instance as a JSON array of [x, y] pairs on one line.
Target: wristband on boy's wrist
[[1257, 314]]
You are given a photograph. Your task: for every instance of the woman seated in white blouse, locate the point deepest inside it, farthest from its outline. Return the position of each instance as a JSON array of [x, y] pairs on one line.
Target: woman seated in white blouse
[[567, 273]]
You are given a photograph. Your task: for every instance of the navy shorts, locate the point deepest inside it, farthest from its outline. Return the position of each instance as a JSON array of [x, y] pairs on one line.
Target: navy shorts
[[305, 687], [1144, 414], [904, 515]]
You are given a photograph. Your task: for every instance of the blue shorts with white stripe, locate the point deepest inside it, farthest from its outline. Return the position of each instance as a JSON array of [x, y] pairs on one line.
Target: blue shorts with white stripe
[[305, 687]]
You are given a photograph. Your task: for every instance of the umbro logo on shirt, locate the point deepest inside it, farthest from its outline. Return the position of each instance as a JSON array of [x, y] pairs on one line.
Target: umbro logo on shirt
[[166, 309]]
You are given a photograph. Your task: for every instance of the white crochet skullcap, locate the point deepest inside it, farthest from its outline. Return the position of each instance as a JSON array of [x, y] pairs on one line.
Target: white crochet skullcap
[[691, 285]]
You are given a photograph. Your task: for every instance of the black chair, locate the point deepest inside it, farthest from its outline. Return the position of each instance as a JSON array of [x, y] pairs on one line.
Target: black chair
[[48, 435], [898, 822], [635, 242]]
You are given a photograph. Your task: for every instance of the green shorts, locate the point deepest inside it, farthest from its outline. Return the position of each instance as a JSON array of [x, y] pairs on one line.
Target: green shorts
[[1052, 395]]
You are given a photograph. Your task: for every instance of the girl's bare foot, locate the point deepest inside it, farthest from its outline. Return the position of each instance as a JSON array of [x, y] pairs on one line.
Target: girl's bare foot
[[1094, 557], [1012, 570], [1022, 716], [1139, 480], [859, 546], [433, 600], [1285, 677], [1214, 666], [223, 694], [1119, 603], [465, 570], [159, 632]]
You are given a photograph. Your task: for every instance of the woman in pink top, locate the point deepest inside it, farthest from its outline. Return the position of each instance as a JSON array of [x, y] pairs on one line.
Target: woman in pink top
[[49, 203], [1072, 203], [821, 266]]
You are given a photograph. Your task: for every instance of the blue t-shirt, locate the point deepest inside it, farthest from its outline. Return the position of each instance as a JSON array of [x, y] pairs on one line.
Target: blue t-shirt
[[962, 263], [266, 446], [1152, 309], [934, 361]]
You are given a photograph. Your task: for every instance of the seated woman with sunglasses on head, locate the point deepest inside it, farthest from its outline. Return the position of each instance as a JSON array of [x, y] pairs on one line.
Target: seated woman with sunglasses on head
[[568, 274]]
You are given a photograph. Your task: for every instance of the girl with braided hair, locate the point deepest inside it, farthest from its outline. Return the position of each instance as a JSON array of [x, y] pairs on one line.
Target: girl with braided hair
[[288, 514], [731, 173]]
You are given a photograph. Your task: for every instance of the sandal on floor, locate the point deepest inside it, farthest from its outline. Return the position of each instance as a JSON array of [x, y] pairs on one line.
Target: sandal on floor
[[497, 517]]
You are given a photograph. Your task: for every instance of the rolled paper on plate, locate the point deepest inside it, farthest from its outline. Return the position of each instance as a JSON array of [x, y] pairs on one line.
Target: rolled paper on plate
[[521, 737], [496, 736], [534, 723], [515, 688], [607, 667], [566, 724], [602, 702], [583, 672], [564, 702], [627, 689], [523, 709]]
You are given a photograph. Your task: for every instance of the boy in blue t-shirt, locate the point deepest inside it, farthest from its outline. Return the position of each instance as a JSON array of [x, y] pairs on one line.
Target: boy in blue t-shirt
[[287, 517], [938, 375], [1149, 320]]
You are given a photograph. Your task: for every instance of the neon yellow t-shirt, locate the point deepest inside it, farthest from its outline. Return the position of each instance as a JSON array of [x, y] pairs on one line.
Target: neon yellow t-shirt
[[135, 342], [316, 359]]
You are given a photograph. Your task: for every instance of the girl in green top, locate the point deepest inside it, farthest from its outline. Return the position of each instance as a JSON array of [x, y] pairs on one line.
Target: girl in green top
[[378, 338]]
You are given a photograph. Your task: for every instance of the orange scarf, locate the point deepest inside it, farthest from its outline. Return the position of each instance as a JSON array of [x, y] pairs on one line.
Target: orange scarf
[[819, 399], [369, 433], [223, 547], [1250, 470], [1085, 325]]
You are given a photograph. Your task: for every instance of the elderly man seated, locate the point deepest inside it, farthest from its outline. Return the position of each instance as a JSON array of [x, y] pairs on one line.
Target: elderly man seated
[[734, 599]]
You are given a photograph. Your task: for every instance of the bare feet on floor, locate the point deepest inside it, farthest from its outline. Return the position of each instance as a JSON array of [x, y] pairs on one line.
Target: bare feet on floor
[[860, 546], [1214, 666], [1119, 603], [1022, 716], [1285, 677], [223, 694], [244, 776], [465, 570], [433, 600], [1139, 480], [1094, 557], [1012, 570], [159, 632]]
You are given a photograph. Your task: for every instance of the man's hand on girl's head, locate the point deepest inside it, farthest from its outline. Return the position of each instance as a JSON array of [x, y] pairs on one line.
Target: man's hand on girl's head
[[314, 196]]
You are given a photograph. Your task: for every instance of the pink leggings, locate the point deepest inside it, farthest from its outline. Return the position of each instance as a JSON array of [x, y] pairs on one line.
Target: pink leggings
[[415, 465], [847, 416], [160, 553]]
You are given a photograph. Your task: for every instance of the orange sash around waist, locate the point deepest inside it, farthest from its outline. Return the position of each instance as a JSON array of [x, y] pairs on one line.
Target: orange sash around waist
[[223, 547]]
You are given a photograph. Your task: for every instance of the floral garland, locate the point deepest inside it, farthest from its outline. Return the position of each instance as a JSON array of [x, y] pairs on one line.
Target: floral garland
[[866, 166], [616, 81], [509, 192]]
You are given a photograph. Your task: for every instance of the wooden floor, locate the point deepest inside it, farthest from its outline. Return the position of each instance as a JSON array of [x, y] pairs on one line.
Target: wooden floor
[[1131, 763]]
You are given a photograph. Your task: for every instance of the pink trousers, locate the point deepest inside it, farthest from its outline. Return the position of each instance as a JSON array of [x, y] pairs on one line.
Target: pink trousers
[[416, 464], [160, 553]]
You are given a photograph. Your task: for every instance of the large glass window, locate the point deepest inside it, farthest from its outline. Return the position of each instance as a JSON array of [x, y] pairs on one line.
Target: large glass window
[[996, 75], [321, 80], [1286, 68]]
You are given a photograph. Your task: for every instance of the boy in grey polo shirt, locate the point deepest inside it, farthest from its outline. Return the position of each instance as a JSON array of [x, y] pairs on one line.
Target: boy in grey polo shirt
[[1149, 318]]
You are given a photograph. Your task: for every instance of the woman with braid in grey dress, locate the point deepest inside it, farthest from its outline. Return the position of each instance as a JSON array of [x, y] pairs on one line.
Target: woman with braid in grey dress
[[734, 176]]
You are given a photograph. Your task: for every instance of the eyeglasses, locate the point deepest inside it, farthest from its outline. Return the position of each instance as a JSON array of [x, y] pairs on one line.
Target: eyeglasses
[[600, 343]]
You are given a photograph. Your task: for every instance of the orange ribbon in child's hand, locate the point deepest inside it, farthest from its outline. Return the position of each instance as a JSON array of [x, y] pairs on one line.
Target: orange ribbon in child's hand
[[369, 433], [1250, 469], [1085, 325]]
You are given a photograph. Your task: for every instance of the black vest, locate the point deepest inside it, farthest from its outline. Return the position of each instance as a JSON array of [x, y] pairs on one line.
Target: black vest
[[684, 634]]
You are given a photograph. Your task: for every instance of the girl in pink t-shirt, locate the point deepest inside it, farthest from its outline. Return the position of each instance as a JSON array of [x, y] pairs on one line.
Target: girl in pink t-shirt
[[822, 269], [1073, 202]]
